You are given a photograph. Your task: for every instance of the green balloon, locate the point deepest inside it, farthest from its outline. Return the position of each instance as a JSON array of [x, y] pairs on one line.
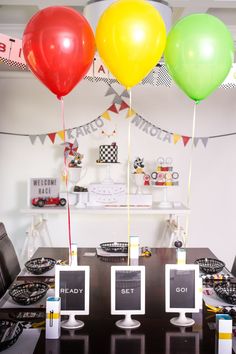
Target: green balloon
[[199, 54]]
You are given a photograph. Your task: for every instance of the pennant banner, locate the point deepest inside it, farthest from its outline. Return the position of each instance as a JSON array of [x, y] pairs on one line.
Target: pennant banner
[[12, 55]]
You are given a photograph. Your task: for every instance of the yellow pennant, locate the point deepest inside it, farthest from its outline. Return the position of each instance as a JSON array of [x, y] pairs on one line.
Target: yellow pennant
[[130, 113], [176, 138], [61, 134], [106, 115]]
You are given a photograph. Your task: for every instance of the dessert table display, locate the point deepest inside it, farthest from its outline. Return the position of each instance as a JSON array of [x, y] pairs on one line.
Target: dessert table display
[[100, 334]]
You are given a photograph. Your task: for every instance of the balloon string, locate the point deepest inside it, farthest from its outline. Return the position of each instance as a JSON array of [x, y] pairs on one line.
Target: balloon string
[[66, 178], [128, 179], [190, 172]]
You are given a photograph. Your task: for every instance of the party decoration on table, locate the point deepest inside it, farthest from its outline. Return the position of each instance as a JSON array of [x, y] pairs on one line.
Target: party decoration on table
[[164, 174], [48, 201], [108, 153], [9, 333], [146, 251], [139, 175], [40, 265], [138, 165], [199, 54], [46, 189], [76, 161], [71, 148], [210, 265], [115, 247], [130, 38], [226, 291], [58, 46], [178, 244], [28, 293]]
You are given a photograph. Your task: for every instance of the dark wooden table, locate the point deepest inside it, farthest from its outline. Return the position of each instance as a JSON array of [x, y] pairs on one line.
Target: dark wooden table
[[155, 335]]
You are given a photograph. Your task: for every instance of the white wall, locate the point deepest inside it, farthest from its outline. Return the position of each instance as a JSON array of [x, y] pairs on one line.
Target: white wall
[[28, 107]]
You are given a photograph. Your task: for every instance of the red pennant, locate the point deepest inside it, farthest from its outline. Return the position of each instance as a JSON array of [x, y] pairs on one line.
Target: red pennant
[[113, 108], [185, 139], [123, 105], [52, 137]]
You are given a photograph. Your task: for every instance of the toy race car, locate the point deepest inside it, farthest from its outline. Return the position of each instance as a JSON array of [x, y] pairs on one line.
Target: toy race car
[[40, 202]]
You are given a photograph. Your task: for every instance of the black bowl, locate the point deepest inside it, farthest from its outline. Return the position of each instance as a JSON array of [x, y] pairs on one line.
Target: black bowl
[[227, 292], [115, 247], [9, 333], [210, 265], [28, 293], [40, 265]]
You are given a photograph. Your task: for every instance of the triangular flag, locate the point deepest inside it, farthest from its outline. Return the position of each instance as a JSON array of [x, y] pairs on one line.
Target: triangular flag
[[125, 93], [204, 141], [123, 105], [61, 134], [33, 138], [117, 99], [195, 141], [176, 138], [42, 138], [110, 91], [130, 113], [106, 115], [52, 137], [185, 139], [113, 108]]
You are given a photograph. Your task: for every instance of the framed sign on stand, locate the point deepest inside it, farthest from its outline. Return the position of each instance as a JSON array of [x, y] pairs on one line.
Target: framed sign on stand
[[72, 285]]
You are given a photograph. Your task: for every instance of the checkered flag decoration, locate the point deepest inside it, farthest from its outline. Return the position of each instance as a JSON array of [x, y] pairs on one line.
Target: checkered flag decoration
[[157, 77], [108, 153], [13, 63], [228, 85]]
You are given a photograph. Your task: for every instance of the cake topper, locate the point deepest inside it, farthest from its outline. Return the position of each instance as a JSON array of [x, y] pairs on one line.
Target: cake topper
[[138, 165]]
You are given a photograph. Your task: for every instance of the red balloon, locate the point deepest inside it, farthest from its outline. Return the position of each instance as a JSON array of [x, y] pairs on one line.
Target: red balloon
[[58, 45]]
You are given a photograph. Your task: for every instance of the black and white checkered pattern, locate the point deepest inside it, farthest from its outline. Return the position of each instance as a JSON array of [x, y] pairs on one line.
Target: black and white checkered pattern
[[13, 63], [108, 153]]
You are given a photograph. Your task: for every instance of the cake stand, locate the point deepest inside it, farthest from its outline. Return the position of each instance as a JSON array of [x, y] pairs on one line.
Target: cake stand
[[165, 203], [75, 175], [139, 181], [108, 179]]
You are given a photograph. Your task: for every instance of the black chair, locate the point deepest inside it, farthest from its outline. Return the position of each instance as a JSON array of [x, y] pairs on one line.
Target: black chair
[[9, 264], [233, 270]]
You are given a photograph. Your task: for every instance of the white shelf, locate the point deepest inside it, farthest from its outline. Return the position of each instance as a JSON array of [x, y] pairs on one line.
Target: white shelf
[[178, 209]]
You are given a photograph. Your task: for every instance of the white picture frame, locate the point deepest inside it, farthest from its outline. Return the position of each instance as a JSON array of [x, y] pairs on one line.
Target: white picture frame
[[114, 272], [58, 272], [53, 190], [182, 268]]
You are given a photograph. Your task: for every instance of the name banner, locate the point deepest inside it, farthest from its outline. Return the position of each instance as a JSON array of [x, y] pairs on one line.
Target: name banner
[[11, 53]]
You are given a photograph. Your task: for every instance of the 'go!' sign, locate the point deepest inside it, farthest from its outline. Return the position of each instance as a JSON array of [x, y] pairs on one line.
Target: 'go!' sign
[[182, 287]]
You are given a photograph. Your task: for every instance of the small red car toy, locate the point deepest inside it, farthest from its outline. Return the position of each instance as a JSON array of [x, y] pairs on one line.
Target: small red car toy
[[40, 202]]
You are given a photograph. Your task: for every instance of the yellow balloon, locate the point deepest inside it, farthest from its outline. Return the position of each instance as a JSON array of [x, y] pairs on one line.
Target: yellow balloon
[[130, 39]]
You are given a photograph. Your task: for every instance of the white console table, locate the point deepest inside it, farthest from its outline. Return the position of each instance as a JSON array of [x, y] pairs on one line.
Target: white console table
[[38, 234], [178, 209]]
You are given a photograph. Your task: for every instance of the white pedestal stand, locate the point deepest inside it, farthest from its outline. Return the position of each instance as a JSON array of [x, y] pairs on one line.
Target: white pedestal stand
[[128, 323], [164, 203], [107, 179], [139, 181], [72, 323], [74, 176], [182, 320]]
